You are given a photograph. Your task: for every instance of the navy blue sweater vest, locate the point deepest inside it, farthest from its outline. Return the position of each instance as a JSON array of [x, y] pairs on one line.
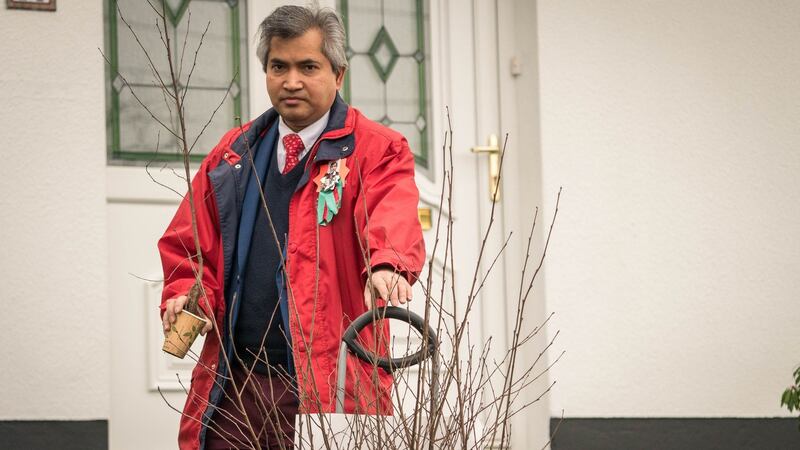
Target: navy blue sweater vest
[[259, 326]]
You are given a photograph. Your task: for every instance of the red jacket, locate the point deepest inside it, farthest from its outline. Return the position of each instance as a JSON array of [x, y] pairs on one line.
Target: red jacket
[[378, 208]]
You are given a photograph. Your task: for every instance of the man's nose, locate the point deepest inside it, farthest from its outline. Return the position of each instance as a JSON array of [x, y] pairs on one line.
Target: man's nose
[[293, 81]]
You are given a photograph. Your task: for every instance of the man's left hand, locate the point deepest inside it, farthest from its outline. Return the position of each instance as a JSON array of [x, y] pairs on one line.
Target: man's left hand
[[388, 285]]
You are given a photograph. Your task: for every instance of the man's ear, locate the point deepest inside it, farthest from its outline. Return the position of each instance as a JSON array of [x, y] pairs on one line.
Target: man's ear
[[340, 79]]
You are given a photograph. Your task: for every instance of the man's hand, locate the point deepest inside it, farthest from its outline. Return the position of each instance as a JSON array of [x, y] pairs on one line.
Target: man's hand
[[173, 307], [388, 285]]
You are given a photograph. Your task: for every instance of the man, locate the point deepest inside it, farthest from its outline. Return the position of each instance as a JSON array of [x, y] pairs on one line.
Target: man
[[283, 282]]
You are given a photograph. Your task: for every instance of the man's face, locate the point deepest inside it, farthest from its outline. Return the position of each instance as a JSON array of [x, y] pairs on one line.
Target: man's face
[[300, 79]]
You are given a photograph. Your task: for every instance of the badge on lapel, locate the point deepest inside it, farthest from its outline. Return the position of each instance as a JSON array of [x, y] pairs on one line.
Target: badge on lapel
[[330, 182]]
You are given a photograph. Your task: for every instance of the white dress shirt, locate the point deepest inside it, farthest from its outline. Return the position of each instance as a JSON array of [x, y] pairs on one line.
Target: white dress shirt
[[308, 135]]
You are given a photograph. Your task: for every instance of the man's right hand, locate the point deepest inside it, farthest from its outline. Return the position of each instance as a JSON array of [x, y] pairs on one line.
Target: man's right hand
[[173, 307]]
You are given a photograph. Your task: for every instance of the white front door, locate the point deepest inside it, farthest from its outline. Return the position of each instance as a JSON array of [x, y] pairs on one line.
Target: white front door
[[464, 69], [461, 74]]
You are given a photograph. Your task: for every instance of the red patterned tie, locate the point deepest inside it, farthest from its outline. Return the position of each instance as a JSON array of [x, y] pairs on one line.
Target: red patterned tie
[[293, 145]]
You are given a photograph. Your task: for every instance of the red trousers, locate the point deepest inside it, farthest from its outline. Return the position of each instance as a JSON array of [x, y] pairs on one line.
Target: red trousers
[[270, 405]]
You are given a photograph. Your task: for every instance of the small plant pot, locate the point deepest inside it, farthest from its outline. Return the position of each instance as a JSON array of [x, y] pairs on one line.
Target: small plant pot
[[181, 336]]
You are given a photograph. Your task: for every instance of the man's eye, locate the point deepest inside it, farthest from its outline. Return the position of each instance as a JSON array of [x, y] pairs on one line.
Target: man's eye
[[277, 67], [310, 68]]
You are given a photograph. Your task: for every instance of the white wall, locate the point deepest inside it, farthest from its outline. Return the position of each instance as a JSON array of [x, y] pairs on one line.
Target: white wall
[[674, 127], [53, 241]]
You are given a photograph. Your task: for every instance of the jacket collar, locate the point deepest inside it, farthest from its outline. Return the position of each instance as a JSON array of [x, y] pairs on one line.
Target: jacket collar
[[337, 140]]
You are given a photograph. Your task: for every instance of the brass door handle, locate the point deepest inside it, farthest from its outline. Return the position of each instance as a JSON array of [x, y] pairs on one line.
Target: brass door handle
[[494, 151]]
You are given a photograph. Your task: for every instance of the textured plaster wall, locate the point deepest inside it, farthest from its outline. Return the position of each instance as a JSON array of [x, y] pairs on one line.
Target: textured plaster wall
[[54, 320], [674, 127]]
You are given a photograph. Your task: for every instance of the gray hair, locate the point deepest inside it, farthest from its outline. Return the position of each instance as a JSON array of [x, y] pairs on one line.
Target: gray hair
[[291, 21]]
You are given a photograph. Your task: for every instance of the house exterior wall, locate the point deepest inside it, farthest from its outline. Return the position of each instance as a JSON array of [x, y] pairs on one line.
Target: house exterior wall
[[54, 319], [673, 128]]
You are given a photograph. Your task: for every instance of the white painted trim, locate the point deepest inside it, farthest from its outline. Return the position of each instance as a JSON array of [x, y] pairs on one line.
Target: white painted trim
[[131, 184]]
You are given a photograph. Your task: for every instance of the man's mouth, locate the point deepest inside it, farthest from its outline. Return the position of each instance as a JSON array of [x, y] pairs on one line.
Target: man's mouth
[[291, 101]]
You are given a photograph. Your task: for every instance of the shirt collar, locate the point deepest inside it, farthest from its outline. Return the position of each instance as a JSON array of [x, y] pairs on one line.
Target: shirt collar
[[309, 134]]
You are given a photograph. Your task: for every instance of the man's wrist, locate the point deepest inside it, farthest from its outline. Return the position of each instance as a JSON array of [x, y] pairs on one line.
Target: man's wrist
[[383, 266]]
